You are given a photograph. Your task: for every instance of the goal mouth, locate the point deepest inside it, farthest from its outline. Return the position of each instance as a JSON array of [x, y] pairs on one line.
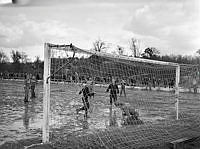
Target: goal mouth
[[150, 102]]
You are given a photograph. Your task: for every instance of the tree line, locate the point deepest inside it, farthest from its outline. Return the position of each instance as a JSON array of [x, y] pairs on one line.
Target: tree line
[[20, 65], [148, 53], [20, 62]]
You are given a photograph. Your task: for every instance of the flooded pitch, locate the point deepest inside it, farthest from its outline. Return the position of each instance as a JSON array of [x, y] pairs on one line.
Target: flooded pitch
[[19, 120]]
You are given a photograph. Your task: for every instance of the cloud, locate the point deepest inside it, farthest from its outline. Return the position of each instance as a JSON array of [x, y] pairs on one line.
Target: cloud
[[24, 32], [167, 25], [29, 36], [174, 24], [2, 36]]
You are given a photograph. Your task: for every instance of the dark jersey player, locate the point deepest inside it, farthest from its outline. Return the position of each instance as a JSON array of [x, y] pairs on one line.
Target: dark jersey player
[[86, 93], [113, 88]]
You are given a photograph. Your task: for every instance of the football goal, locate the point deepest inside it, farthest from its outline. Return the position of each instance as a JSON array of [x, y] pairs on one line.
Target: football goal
[[148, 96]]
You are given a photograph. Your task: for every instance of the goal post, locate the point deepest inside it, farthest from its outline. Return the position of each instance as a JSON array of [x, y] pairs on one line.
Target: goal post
[[46, 93], [177, 90], [65, 63]]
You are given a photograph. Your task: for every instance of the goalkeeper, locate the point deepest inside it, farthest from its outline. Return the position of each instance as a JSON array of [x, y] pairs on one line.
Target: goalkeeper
[[113, 91]]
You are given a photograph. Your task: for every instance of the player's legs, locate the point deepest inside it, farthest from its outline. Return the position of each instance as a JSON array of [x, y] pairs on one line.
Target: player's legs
[[26, 90], [111, 99], [115, 98], [32, 91], [124, 92], [121, 91], [87, 106], [82, 108]]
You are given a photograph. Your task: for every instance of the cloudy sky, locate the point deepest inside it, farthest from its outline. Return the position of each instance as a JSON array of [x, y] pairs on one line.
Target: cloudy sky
[[172, 26]]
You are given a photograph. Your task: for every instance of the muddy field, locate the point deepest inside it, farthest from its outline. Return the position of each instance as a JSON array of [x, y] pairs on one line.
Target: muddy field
[[104, 126]]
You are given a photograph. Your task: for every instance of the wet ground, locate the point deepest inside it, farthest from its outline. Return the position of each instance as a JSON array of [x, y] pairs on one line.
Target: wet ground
[[19, 120]]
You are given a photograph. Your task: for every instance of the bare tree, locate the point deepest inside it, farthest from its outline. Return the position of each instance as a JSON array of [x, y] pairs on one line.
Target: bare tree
[[37, 60], [134, 46], [38, 65], [99, 45], [198, 51], [3, 57], [16, 56], [24, 58]]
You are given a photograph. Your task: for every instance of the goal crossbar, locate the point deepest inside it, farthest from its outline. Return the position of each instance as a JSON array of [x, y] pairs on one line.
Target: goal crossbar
[[123, 57]]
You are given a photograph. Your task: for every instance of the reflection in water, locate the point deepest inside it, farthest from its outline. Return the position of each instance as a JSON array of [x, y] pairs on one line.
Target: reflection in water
[[29, 111], [32, 108], [26, 116], [85, 123], [112, 118]]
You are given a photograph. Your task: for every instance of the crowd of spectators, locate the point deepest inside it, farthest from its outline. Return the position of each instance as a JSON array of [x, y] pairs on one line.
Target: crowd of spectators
[[21, 76]]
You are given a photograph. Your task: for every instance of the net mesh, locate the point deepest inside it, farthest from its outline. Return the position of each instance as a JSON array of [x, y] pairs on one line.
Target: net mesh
[[142, 116]]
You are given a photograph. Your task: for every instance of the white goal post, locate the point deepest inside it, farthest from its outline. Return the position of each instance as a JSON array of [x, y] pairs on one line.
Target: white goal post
[[46, 94], [47, 80]]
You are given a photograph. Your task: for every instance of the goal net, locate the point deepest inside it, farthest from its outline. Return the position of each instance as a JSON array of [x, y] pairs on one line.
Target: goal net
[[148, 108]]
